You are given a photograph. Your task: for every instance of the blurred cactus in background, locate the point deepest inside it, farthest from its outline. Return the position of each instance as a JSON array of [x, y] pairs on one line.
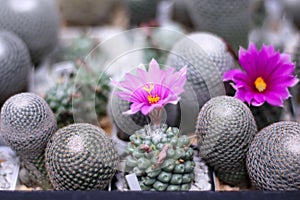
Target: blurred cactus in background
[[36, 22], [83, 87], [229, 19]]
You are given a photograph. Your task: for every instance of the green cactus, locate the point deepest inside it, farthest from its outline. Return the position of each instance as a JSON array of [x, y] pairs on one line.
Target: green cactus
[[162, 162], [81, 157], [62, 96], [89, 89]]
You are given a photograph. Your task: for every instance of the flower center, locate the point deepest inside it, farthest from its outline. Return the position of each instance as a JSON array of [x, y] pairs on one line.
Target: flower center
[[151, 98], [260, 84]]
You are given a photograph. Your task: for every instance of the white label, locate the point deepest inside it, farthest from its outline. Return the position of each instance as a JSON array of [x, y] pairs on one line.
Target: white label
[[133, 182]]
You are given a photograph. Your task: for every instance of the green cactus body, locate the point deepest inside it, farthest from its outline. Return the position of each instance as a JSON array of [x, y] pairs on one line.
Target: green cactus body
[[273, 157], [65, 97], [36, 22], [164, 164], [231, 21], [81, 156], [14, 65], [36, 172], [27, 124], [207, 58], [226, 127]]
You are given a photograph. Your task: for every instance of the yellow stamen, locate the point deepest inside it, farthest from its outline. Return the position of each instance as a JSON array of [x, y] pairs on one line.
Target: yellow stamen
[[148, 88], [152, 99], [260, 84]]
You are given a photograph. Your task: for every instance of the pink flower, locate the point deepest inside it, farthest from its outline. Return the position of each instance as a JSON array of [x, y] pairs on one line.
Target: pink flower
[[151, 90], [266, 77]]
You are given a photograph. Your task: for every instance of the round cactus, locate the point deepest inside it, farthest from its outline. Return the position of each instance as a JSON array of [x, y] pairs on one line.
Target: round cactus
[[206, 57], [36, 22], [273, 157], [217, 50], [81, 157], [230, 19], [27, 123], [14, 65], [226, 128], [66, 98], [163, 162]]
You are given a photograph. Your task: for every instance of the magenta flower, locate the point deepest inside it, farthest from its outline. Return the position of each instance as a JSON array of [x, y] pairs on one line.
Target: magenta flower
[[153, 89], [266, 77]]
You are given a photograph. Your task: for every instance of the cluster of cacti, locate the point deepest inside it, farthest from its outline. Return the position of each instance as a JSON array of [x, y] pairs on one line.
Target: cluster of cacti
[[162, 161], [36, 22], [66, 98], [27, 123], [226, 127], [14, 65], [86, 90], [81, 157], [59, 98]]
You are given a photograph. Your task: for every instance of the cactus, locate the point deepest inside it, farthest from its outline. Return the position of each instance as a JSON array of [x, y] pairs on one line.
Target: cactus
[[87, 92], [14, 65], [229, 19], [36, 22], [64, 95], [273, 157], [206, 57], [27, 123], [163, 162], [226, 127], [81, 157]]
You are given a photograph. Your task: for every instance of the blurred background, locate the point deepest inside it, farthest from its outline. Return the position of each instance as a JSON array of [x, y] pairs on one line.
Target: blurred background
[[56, 30]]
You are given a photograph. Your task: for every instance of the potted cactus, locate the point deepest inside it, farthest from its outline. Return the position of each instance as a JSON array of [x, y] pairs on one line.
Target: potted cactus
[[160, 158]]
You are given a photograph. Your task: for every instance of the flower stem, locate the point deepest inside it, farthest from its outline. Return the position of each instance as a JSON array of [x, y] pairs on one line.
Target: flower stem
[[156, 117]]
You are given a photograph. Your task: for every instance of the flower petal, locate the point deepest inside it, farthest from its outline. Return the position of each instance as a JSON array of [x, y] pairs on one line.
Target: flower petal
[[153, 89], [258, 99], [283, 92], [229, 75], [147, 109], [287, 81], [135, 107], [274, 99]]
